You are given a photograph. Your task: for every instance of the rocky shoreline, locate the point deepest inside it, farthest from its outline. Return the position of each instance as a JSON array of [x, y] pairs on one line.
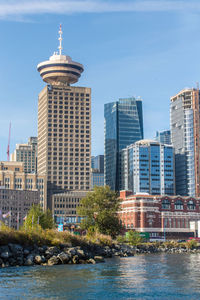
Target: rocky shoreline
[[17, 255]]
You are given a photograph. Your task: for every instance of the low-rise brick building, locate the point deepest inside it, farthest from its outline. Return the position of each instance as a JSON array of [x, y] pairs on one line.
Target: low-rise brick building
[[168, 216]]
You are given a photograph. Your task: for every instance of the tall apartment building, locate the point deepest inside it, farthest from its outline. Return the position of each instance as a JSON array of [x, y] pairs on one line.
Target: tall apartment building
[[12, 176], [26, 153], [64, 126], [163, 137], [123, 125], [185, 126], [147, 167]]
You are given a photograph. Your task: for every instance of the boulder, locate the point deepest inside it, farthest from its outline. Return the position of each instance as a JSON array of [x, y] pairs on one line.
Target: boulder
[[51, 251], [38, 259], [54, 260], [26, 252], [6, 254], [63, 257], [91, 261], [99, 259], [20, 260], [41, 250], [29, 260], [75, 259], [80, 253], [12, 261], [72, 251], [15, 249]]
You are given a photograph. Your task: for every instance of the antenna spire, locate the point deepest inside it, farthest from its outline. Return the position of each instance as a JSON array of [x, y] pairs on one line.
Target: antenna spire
[[60, 40]]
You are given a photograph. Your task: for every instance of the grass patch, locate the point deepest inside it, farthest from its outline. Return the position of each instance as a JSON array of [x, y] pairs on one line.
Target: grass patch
[[50, 237]]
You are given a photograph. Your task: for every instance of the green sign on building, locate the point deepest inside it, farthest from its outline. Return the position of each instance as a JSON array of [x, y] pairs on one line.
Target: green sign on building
[[144, 235]]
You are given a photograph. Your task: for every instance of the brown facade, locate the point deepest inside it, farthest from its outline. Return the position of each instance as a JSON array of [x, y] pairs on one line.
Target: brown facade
[[64, 138], [158, 214], [12, 176]]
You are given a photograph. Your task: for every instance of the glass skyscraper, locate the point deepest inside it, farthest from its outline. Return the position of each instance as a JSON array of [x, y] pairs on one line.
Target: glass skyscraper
[[97, 171], [163, 137], [147, 167], [185, 134], [123, 125]]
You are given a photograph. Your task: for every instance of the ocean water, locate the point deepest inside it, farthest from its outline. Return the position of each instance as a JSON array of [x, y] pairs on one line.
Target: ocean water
[[158, 276]]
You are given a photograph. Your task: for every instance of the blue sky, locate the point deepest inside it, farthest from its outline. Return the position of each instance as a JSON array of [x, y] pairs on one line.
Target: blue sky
[[128, 48]]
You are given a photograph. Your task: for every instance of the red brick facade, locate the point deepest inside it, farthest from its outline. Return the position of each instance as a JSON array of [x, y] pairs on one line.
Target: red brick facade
[[159, 214]]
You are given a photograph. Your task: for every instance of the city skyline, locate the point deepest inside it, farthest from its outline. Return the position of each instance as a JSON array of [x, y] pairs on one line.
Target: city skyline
[[149, 45]]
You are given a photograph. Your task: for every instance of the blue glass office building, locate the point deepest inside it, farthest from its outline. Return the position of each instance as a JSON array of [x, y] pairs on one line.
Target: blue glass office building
[[123, 125], [147, 167], [163, 137]]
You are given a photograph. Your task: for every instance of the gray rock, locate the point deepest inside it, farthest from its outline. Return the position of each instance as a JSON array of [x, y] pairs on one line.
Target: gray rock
[[72, 251], [4, 249], [38, 259], [6, 254], [15, 249], [54, 260], [75, 259], [41, 250], [20, 260], [99, 259], [29, 260], [64, 258], [12, 261], [91, 261], [26, 252], [51, 251], [80, 253]]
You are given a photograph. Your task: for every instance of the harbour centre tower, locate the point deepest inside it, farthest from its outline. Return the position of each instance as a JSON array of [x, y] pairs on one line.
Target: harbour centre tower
[[64, 126]]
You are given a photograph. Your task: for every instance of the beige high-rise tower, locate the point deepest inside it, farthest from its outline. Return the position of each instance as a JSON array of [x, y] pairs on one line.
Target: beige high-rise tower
[[64, 126]]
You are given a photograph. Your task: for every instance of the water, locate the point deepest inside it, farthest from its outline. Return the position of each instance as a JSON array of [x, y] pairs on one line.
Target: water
[[160, 276]]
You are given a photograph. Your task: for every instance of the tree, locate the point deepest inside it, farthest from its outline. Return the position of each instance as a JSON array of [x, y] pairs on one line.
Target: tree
[[133, 237], [99, 209], [36, 216]]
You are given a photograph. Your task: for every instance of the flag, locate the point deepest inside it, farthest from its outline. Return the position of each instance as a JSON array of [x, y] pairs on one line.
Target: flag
[[18, 217], [8, 214]]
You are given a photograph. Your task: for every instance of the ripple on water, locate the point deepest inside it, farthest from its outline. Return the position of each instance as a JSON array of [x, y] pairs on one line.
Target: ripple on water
[[164, 276]]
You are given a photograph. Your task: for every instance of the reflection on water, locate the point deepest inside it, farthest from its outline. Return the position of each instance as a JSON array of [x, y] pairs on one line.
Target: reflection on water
[[165, 276]]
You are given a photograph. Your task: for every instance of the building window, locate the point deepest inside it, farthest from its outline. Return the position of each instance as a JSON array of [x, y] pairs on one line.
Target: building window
[[166, 204], [178, 204], [191, 205]]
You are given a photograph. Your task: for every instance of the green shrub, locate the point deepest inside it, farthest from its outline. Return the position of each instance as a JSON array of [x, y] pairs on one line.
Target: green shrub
[[121, 239], [133, 237], [191, 244]]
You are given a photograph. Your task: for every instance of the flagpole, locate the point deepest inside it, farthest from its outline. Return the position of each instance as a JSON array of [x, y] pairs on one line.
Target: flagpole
[[18, 220]]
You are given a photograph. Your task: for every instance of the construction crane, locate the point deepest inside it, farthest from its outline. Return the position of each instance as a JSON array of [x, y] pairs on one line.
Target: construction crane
[[8, 148]]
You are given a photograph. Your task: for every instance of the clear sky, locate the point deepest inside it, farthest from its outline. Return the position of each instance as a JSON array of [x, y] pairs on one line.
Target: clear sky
[[128, 48]]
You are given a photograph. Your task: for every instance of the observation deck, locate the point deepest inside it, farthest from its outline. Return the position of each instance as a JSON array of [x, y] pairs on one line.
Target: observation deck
[[60, 68]]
